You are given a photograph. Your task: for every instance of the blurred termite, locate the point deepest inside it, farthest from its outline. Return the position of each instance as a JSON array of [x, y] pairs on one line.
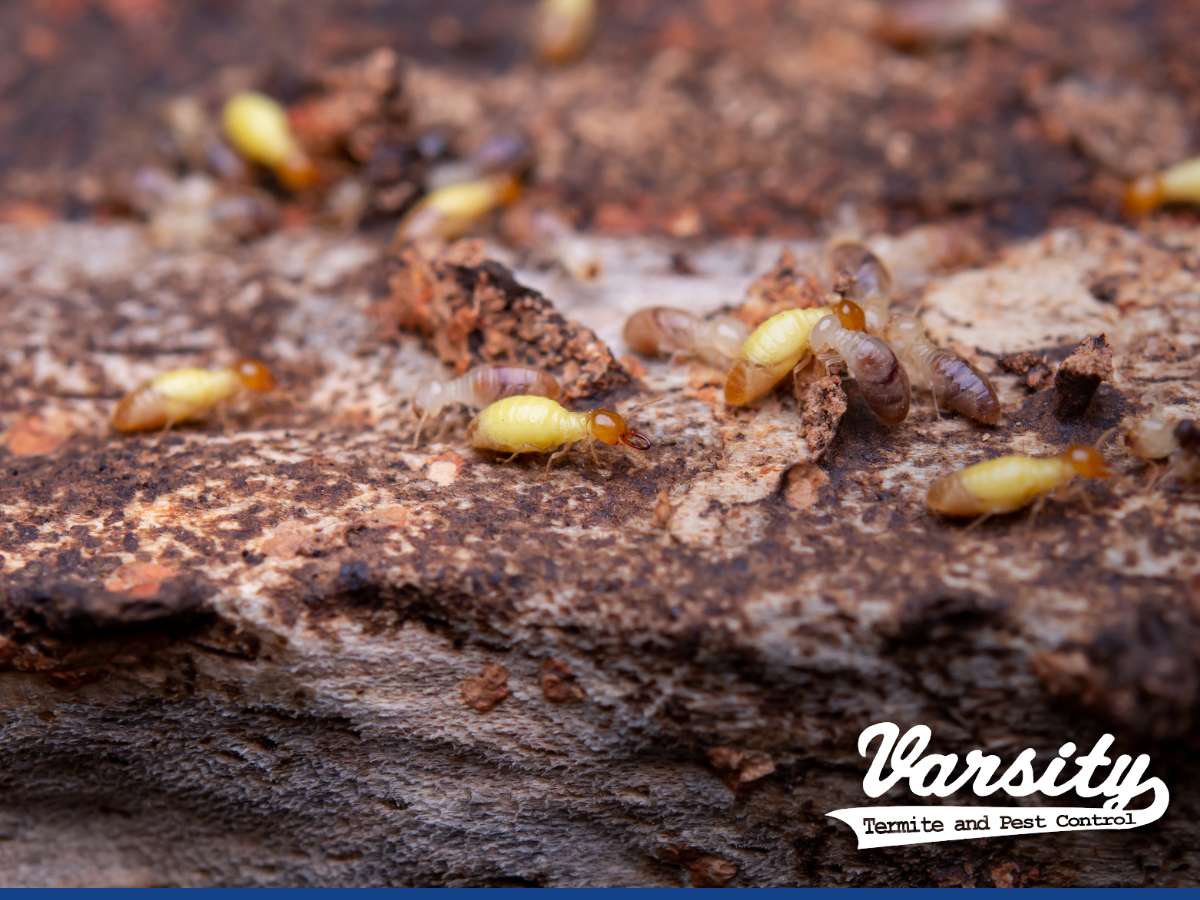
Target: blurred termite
[[529, 424], [188, 395], [503, 153], [1008, 483], [479, 387], [773, 349], [670, 331], [868, 359], [258, 129], [1158, 436], [562, 29], [914, 24], [450, 211], [954, 383], [1179, 183]]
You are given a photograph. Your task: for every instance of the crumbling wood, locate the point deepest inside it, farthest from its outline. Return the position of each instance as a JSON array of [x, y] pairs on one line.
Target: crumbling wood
[[244, 653]]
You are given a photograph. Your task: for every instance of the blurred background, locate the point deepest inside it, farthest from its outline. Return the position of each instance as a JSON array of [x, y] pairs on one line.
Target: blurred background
[[695, 117]]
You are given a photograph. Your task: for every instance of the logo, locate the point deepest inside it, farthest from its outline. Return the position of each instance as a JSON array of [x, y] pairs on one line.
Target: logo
[[901, 758]]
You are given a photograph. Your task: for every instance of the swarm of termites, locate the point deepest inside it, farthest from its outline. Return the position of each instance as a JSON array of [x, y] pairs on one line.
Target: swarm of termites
[[953, 382]]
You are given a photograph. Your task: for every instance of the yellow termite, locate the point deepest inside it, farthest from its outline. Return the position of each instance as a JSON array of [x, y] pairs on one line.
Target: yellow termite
[[530, 424], [563, 29], [954, 383], [450, 211], [1179, 183], [1157, 436], [479, 387], [668, 330], [258, 129], [1009, 483], [187, 395], [869, 360], [773, 349]]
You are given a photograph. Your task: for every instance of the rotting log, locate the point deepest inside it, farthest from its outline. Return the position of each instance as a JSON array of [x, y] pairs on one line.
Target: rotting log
[[293, 649]]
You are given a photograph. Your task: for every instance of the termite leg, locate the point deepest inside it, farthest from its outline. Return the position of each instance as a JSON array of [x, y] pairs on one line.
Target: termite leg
[[443, 427], [1038, 505], [561, 451], [509, 459], [978, 521], [424, 417], [1158, 474]]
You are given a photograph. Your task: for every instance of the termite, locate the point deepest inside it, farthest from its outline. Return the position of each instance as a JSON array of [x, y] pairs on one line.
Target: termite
[[479, 387], [258, 129], [1008, 483], [188, 395], [1179, 183], [1157, 436], [773, 349], [563, 29], [530, 424], [868, 359], [449, 212], [953, 382], [668, 330]]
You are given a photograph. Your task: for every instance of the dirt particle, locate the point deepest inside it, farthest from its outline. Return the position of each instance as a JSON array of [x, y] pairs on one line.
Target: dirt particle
[[711, 871], [443, 469], [784, 286], [139, 580], [663, 510], [1080, 374], [558, 682], [483, 691], [391, 516], [739, 767], [37, 435], [822, 404], [290, 539], [1031, 368], [472, 310], [802, 485]]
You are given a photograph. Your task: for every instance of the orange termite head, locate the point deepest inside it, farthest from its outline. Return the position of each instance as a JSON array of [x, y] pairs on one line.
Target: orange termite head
[[1144, 195], [1086, 461], [298, 172], [610, 427], [254, 375], [851, 315]]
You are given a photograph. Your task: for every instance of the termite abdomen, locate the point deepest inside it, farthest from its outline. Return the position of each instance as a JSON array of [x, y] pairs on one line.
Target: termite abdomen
[[667, 330], [960, 386]]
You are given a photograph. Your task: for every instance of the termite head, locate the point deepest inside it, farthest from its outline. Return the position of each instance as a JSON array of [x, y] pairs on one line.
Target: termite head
[[610, 427], [1086, 461], [851, 315], [1187, 434], [857, 272], [254, 375], [1144, 195]]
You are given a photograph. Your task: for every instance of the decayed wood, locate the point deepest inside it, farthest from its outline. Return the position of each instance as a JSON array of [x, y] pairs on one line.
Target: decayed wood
[[295, 649]]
